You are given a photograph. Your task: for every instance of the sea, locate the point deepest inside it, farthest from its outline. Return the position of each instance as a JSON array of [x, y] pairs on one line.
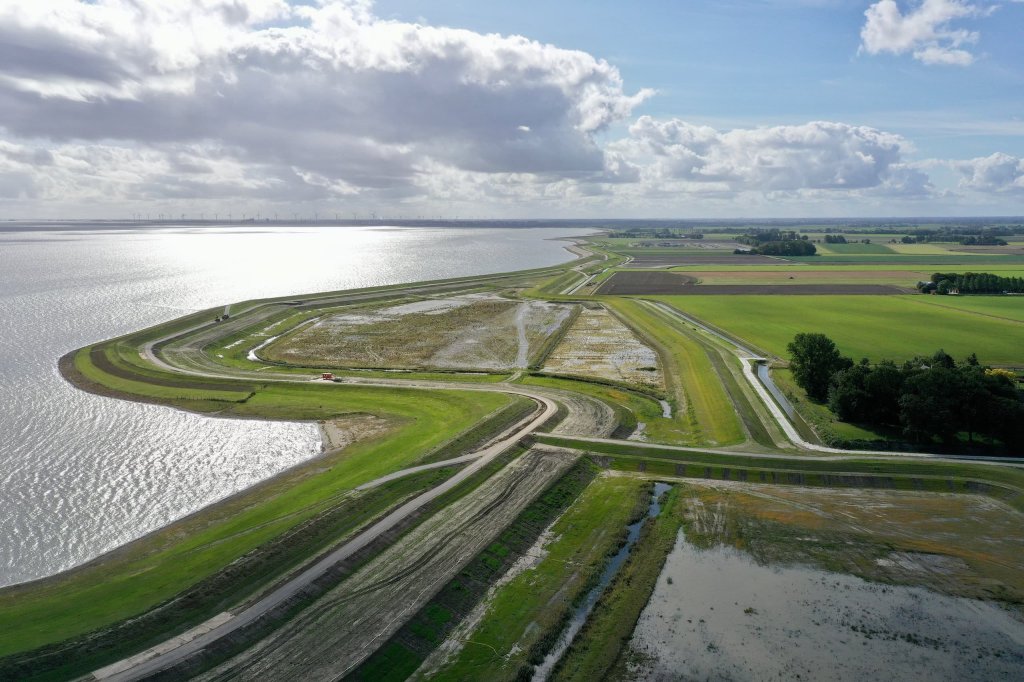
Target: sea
[[82, 474]]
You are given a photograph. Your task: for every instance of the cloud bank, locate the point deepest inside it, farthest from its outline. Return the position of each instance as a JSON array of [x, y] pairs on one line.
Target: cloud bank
[[214, 104]]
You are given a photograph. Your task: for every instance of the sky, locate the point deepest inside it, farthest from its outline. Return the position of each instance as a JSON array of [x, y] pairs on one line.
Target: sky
[[499, 109]]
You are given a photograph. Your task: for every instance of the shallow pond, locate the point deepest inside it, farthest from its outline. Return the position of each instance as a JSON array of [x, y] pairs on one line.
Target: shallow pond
[[718, 615]]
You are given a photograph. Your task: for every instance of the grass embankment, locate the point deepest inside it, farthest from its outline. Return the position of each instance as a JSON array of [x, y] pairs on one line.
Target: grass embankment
[[202, 600], [526, 614], [689, 373], [1002, 483], [162, 564], [249, 635], [875, 327], [398, 658], [602, 641]]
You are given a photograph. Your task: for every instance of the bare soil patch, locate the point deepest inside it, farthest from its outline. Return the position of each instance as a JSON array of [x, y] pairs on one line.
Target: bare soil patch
[[667, 260], [342, 432], [624, 283], [468, 332], [598, 345], [347, 624]]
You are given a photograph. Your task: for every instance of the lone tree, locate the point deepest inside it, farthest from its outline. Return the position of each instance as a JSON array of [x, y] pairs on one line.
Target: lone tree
[[813, 359]]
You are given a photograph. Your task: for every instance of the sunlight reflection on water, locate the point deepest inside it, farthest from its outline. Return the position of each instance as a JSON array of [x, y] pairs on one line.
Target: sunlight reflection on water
[[80, 474]]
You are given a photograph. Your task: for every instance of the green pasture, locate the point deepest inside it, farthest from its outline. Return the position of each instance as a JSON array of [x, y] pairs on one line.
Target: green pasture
[[876, 327], [1005, 307], [853, 248]]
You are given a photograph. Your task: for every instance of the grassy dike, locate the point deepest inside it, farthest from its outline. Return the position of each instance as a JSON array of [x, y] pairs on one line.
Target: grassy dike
[[523, 616], [1005, 484], [602, 641], [401, 655], [155, 568], [688, 372]]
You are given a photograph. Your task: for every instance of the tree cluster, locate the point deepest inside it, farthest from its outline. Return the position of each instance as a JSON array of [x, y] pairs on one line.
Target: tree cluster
[[928, 398], [835, 239], [971, 283], [760, 237], [784, 248], [969, 236]]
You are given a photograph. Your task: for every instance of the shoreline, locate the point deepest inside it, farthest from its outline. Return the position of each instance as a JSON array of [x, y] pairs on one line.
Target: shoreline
[[67, 370]]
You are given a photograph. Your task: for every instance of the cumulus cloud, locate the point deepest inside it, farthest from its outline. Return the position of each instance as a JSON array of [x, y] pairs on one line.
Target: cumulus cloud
[[327, 95], [996, 173], [819, 155], [924, 31], [222, 104]]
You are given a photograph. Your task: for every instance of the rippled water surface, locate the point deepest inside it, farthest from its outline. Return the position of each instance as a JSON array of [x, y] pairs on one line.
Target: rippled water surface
[[81, 474]]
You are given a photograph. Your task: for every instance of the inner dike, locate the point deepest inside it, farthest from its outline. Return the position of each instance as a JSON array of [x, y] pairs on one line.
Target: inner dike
[[409, 647], [611, 569], [336, 633]]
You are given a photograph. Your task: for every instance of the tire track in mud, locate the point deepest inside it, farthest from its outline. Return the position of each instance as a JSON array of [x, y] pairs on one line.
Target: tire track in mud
[[338, 632]]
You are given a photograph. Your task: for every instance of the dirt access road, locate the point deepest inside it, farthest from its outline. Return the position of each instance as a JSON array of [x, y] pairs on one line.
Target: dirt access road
[[336, 633]]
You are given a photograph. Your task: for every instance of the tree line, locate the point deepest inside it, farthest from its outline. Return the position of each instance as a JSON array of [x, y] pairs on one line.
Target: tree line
[[927, 398], [971, 283], [776, 242]]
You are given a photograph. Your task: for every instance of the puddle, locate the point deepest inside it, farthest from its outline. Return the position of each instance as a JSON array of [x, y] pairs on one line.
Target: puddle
[[579, 616], [666, 409], [718, 615]]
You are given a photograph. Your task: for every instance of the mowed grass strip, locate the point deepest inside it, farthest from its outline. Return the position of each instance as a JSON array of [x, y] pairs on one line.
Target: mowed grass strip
[[688, 371], [1005, 307], [875, 327], [600, 644], [530, 608], [160, 565]]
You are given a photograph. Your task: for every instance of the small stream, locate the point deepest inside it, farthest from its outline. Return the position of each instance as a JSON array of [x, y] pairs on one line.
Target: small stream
[[582, 612], [766, 379]]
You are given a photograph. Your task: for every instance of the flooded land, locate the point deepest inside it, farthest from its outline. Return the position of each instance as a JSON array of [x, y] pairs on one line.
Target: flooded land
[[779, 583], [483, 332], [599, 345]]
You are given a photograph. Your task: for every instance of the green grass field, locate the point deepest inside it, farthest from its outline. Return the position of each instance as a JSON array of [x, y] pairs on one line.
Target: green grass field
[[853, 248], [875, 327]]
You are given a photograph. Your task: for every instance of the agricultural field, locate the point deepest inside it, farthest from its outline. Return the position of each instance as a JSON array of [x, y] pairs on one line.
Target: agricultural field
[[645, 282], [667, 258], [791, 289], [852, 248], [771, 582], [473, 332], [875, 327], [1005, 307], [811, 275], [598, 345]]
